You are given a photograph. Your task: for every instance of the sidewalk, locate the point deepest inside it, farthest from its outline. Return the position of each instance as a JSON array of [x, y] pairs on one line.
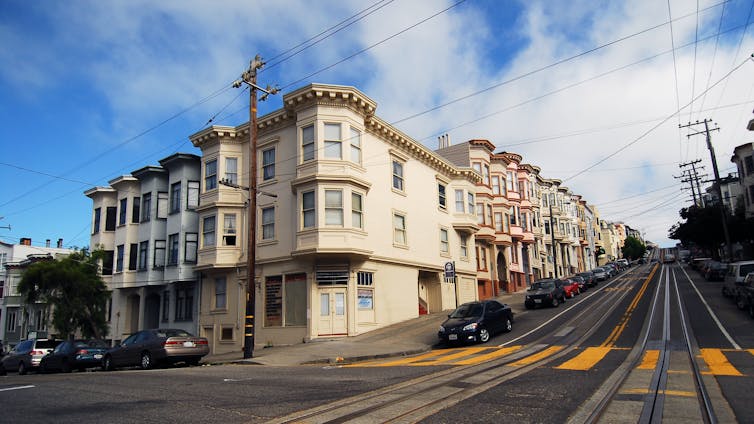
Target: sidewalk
[[405, 338]]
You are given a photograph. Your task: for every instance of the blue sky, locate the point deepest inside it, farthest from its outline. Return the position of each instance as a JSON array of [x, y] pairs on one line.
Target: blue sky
[[92, 90]]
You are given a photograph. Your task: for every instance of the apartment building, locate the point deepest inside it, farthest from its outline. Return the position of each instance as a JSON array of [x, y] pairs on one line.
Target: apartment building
[[150, 235], [19, 320], [359, 226]]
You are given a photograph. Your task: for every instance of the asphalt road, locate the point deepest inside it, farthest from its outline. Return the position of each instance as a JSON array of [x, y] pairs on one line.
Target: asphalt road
[[551, 364]]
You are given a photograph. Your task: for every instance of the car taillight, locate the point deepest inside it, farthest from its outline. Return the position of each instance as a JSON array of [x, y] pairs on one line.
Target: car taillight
[[38, 352], [171, 343], [202, 342], [82, 352]]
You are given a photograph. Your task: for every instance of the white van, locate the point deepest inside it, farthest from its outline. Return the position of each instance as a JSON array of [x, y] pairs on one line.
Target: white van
[[735, 277]]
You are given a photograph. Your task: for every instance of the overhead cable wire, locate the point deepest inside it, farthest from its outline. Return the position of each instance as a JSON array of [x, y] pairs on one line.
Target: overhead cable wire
[[675, 78], [714, 52]]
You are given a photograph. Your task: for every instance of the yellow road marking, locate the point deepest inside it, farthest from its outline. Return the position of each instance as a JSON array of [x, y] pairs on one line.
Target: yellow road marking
[[682, 393], [618, 330], [718, 364], [586, 359], [403, 361], [650, 360], [445, 359], [489, 356], [537, 356]]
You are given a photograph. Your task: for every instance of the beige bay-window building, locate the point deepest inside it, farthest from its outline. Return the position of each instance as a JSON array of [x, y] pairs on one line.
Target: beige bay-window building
[[356, 224]]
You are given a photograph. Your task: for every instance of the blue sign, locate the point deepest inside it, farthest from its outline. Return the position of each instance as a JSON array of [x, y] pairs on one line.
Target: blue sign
[[450, 269]]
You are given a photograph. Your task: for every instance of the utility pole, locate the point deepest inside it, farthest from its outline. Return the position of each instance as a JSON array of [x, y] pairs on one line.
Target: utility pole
[[692, 178], [718, 186], [249, 77], [552, 237]]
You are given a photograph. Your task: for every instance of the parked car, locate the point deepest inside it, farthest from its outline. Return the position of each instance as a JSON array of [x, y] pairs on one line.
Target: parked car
[[696, 263], [476, 322], [737, 272], [589, 279], [715, 271], [610, 269], [570, 287], [27, 355], [600, 274], [745, 297], [545, 292], [74, 354], [623, 262], [580, 280], [148, 348]]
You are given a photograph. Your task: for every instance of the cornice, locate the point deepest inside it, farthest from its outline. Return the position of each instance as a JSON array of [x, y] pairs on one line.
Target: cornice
[[330, 95]]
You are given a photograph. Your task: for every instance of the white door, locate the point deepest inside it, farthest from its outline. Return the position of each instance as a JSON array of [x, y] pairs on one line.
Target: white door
[[332, 312]]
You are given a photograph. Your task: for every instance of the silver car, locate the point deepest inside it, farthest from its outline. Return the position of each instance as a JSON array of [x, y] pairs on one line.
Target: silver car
[[600, 274]]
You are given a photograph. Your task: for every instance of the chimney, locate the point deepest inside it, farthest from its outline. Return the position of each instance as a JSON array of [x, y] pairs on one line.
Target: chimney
[[60, 243], [47, 243], [25, 241]]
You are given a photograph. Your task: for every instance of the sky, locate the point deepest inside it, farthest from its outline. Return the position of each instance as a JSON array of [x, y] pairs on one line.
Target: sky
[[592, 92]]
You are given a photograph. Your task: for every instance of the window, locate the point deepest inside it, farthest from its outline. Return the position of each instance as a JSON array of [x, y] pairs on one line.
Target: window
[[486, 174], [97, 217], [482, 259], [107, 262], [444, 244], [268, 223], [173, 243], [226, 334], [135, 212], [357, 211], [334, 207], [220, 296], [210, 175], [175, 197], [441, 198], [333, 142], [498, 221], [123, 212], [2, 287], [470, 202], [273, 301], [365, 292], [133, 255], [146, 206], [190, 248], [509, 181], [120, 253], [399, 229], [208, 231], [229, 229], [495, 184], [477, 167], [162, 205], [480, 214], [397, 175], [165, 306], [268, 164], [307, 209], [295, 300], [307, 143], [489, 216], [143, 249], [464, 246], [514, 253], [159, 253], [231, 170], [355, 146], [192, 200], [459, 201], [11, 321], [514, 216], [184, 304], [749, 164]]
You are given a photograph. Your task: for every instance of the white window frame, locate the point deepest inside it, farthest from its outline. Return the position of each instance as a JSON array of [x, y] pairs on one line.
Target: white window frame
[[355, 143], [307, 143], [400, 235], [308, 212], [334, 207]]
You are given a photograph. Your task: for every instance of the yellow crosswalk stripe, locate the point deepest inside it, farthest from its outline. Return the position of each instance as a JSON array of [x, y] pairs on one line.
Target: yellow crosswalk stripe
[[500, 352], [403, 361], [586, 359], [682, 393], [717, 363], [650, 360], [443, 360], [537, 356]]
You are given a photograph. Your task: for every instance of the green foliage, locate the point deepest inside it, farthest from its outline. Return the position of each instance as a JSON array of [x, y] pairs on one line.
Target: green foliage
[[633, 248], [703, 228], [75, 291]]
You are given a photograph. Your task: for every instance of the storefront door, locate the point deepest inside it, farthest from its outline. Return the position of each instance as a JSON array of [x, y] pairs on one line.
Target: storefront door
[[332, 311]]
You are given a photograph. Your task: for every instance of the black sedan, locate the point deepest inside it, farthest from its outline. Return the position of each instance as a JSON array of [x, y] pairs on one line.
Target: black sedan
[[150, 347], [74, 354], [476, 322], [545, 292]]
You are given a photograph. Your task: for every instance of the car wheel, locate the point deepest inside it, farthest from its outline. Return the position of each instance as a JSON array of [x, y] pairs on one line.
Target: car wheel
[[107, 363], [484, 335], [146, 361], [2, 370], [528, 306], [508, 325], [193, 362], [21, 368], [555, 302], [740, 302]]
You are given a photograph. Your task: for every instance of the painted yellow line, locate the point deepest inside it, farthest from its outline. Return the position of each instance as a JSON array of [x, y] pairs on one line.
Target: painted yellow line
[[537, 356], [489, 356], [443, 360], [403, 361], [682, 393], [650, 360], [586, 359], [718, 364], [618, 330]]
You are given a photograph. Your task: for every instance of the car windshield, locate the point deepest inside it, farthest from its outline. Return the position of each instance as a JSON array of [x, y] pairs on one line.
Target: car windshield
[[47, 344], [173, 333], [91, 343], [543, 285], [467, 311]]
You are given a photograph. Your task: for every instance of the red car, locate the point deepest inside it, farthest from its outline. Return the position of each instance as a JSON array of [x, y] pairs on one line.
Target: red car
[[571, 288]]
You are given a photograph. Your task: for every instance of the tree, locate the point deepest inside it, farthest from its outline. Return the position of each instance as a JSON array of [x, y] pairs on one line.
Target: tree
[[633, 248], [74, 289]]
